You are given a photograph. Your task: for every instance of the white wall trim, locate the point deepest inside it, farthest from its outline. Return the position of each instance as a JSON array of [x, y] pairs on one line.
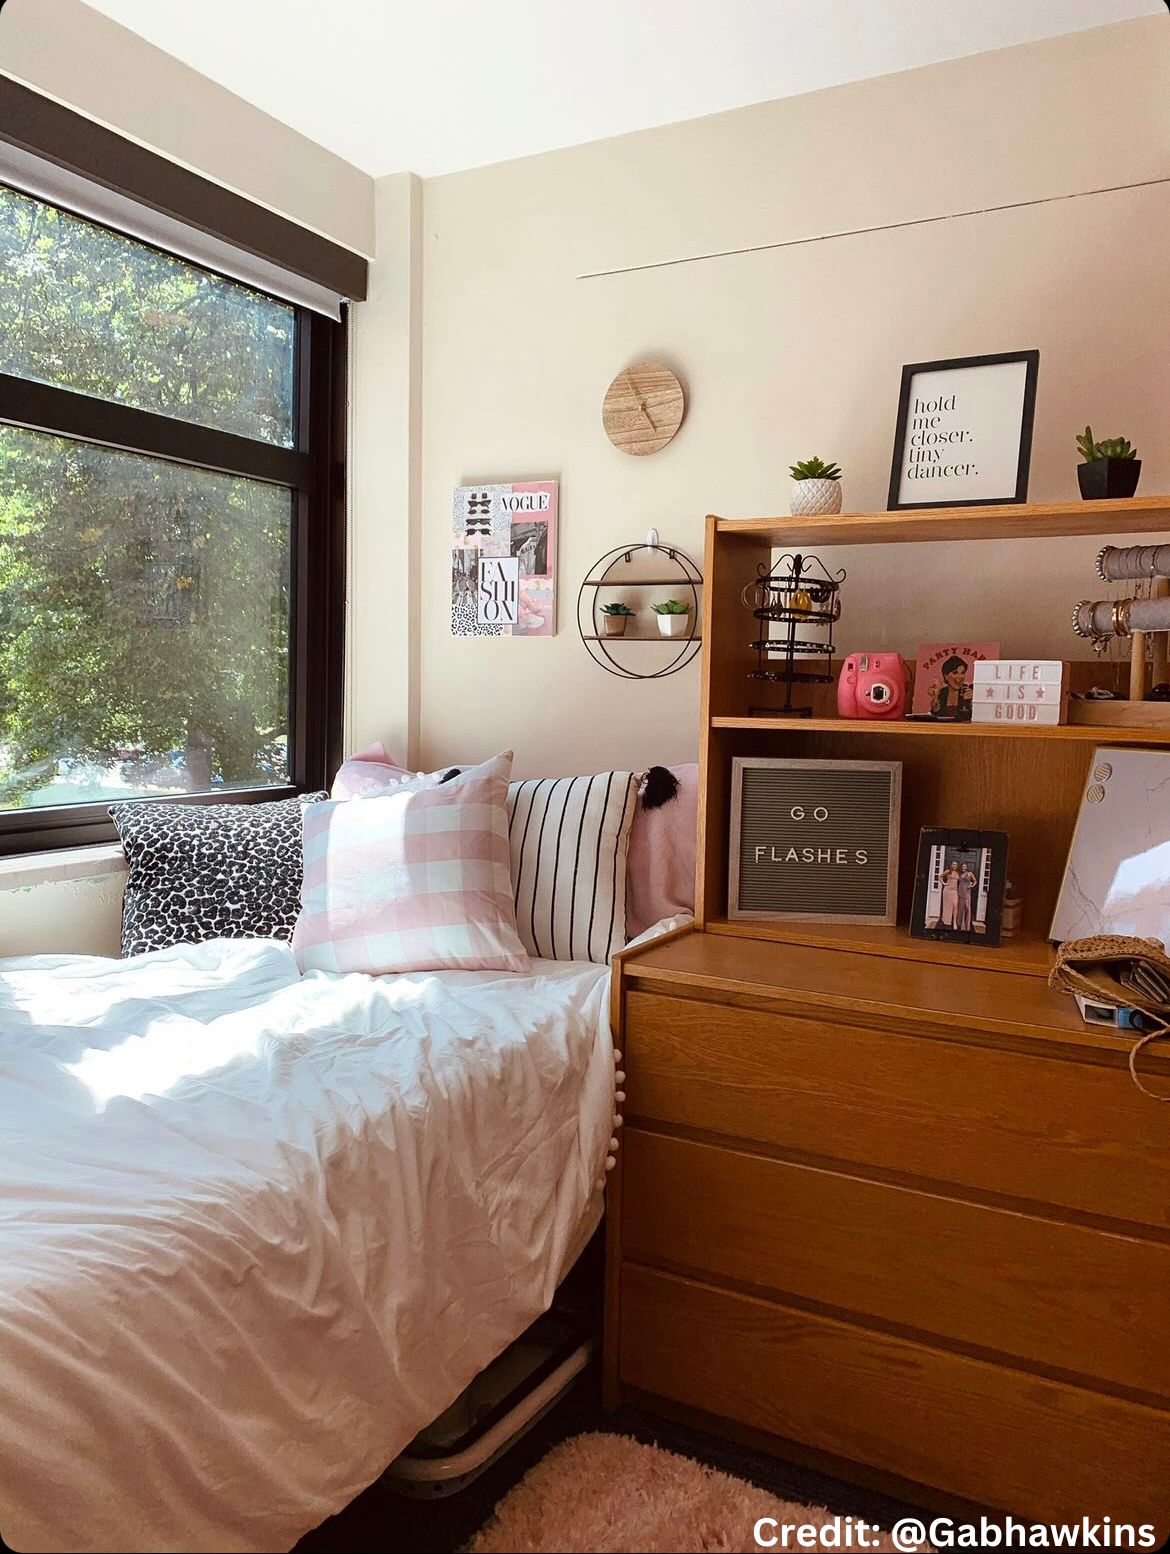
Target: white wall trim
[[69, 863]]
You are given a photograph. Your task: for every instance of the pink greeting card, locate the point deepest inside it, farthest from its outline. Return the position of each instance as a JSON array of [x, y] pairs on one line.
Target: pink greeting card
[[944, 677]]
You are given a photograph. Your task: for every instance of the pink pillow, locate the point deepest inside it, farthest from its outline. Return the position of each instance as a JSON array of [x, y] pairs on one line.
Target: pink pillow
[[370, 771], [412, 881], [660, 867]]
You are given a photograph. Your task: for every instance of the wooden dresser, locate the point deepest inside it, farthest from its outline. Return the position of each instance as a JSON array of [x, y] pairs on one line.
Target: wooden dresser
[[886, 1212], [887, 1206]]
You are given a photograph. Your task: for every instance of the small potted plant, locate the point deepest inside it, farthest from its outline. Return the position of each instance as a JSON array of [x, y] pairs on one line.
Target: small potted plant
[[673, 617], [816, 488], [614, 618], [1111, 467]]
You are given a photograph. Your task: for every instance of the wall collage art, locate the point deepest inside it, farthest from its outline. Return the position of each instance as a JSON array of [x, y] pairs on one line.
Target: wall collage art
[[504, 560]]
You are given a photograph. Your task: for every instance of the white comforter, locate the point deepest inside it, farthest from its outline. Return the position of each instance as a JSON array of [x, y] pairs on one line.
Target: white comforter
[[256, 1230]]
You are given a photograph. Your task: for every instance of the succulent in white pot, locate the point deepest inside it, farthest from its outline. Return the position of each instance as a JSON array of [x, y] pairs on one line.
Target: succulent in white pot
[[674, 617], [816, 488]]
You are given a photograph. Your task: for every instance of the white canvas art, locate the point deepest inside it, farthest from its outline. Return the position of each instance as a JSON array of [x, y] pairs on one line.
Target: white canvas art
[[1118, 874]]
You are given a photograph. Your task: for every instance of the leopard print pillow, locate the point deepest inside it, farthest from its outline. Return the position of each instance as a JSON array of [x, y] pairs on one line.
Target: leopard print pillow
[[210, 871]]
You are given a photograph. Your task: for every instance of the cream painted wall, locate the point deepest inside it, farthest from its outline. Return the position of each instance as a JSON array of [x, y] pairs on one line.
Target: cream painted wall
[[109, 73], [62, 917], [788, 351], [384, 471]]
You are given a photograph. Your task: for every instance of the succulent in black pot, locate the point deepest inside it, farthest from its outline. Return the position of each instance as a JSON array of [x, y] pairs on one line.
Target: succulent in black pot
[[1111, 467]]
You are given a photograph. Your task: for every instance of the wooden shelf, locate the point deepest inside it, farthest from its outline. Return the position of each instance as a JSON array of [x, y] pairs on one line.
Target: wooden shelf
[[666, 641], [1011, 521], [1027, 954], [981, 776], [1100, 734]]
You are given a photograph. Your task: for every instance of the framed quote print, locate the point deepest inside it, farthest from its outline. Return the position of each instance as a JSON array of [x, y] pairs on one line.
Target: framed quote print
[[964, 435]]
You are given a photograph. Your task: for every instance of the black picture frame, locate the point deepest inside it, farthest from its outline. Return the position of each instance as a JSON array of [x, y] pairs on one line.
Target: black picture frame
[[958, 363], [985, 854]]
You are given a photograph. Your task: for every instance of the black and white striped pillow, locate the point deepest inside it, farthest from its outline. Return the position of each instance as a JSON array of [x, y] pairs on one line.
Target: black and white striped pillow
[[569, 838]]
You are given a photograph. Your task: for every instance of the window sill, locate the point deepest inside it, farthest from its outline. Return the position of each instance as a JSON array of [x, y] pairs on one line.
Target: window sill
[[23, 870]]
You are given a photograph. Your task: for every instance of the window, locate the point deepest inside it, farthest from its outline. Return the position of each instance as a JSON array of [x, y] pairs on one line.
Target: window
[[168, 489], [87, 309]]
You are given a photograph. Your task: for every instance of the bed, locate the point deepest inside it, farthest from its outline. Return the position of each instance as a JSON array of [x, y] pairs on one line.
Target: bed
[[258, 1229]]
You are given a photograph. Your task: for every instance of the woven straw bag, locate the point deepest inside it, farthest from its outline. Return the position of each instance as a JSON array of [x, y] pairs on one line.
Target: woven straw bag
[[1093, 968]]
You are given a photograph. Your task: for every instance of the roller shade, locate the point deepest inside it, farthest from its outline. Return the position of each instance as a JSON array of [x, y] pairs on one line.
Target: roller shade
[[57, 154], [32, 175]]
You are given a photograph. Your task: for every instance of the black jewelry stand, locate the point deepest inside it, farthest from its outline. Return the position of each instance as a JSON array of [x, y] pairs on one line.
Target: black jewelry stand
[[798, 592]]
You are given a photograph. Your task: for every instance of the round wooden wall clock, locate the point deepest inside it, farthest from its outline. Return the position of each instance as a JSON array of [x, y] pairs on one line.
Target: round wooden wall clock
[[643, 408]]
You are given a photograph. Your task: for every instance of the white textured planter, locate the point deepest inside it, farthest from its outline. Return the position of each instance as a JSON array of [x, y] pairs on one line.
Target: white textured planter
[[811, 498], [674, 625]]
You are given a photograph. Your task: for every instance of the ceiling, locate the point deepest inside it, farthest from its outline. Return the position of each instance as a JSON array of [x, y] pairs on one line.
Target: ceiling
[[431, 86]]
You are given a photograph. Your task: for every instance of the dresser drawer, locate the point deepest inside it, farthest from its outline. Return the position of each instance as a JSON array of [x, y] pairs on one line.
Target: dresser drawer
[[1057, 1294], [990, 1434], [1049, 1129]]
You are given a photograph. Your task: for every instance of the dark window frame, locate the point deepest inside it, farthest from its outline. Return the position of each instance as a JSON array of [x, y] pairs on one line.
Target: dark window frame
[[314, 471]]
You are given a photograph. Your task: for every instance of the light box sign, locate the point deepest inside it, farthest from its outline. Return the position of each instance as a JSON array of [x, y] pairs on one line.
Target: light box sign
[[1020, 690], [814, 841]]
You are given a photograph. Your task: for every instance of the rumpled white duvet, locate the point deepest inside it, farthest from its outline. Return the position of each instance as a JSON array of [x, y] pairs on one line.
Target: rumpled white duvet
[[256, 1230]]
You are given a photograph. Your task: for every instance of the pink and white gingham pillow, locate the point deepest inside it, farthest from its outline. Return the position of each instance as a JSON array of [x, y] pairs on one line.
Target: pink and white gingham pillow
[[371, 771], [412, 881]]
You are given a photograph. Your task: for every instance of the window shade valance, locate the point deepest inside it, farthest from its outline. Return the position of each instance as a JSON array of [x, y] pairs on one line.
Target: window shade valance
[[52, 152]]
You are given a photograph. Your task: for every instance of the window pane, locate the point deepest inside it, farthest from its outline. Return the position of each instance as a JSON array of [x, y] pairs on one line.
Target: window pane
[[144, 625], [84, 308]]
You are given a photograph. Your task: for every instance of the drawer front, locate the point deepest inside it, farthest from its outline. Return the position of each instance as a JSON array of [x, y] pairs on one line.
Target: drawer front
[[996, 1436], [1060, 1295], [1046, 1129]]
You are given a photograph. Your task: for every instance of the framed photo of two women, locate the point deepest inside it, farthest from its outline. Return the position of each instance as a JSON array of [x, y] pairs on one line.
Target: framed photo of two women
[[959, 885]]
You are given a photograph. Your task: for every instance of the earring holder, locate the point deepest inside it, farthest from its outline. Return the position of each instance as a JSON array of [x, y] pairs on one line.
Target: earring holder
[[795, 593]]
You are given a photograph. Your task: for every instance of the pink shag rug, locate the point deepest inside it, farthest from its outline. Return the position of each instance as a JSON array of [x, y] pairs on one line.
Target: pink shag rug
[[609, 1494]]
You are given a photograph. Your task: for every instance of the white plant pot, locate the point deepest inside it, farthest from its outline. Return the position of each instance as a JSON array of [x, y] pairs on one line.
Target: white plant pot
[[811, 498], [674, 625]]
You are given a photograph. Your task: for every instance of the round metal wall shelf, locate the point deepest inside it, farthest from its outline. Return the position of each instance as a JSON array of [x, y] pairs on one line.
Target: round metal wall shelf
[[614, 570]]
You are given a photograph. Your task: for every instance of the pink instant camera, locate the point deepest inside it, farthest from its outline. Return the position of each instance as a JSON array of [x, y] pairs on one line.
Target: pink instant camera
[[872, 685]]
